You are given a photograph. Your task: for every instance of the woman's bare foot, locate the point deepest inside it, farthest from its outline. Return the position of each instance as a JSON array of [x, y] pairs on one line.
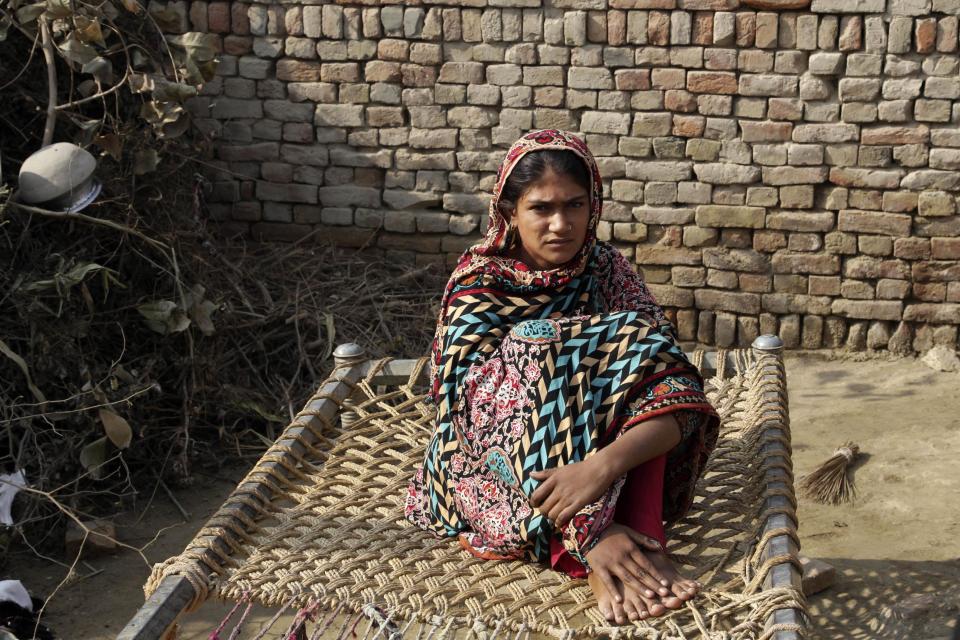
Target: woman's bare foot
[[681, 587], [620, 574], [633, 578], [610, 608]]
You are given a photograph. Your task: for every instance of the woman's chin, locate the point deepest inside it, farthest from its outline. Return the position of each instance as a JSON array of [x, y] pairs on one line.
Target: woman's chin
[[558, 256]]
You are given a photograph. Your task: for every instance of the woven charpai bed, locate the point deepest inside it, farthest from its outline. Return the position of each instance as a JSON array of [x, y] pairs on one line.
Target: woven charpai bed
[[316, 529]]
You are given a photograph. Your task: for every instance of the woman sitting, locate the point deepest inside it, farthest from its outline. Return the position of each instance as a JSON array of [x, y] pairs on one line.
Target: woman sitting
[[569, 423]]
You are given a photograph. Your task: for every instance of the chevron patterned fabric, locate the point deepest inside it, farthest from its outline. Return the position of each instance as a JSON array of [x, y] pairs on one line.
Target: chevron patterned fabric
[[533, 370], [532, 379]]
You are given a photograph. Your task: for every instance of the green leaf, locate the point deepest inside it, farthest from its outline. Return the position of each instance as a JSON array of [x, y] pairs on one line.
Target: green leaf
[[132, 6], [200, 46], [93, 456], [64, 281], [59, 9], [331, 334], [168, 19], [198, 52], [145, 161], [254, 406], [76, 51], [201, 309], [164, 317], [110, 143], [175, 129], [140, 83], [5, 22], [100, 68], [88, 30], [22, 364], [29, 13], [117, 429], [173, 91]]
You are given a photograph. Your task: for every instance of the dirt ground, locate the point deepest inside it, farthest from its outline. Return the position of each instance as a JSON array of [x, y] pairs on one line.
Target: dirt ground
[[895, 549]]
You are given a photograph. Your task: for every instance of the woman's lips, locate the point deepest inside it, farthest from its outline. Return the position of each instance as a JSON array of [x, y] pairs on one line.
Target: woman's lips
[[558, 243]]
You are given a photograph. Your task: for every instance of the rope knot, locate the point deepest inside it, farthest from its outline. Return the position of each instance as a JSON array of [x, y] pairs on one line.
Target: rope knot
[[848, 451]]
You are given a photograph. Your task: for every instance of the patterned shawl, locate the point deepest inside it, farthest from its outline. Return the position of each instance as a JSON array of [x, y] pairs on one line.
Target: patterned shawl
[[535, 369]]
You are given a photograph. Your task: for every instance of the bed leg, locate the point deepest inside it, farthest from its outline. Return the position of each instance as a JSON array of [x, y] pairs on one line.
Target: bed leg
[[343, 356]]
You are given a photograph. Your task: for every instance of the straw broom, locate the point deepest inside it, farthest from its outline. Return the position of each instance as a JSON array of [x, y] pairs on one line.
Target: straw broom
[[830, 483]]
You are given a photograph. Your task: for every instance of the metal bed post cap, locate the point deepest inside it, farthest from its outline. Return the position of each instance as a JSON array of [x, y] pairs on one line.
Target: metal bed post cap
[[348, 353], [348, 350], [768, 342]]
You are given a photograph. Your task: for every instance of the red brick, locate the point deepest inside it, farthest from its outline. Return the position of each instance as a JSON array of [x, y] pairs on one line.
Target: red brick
[[658, 254], [703, 28], [868, 309], [746, 28], [239, 20], [755, 283], [926, 34], [930, 291], [298, 70], [670, 296], [235, 45], [822, 264], [936, 271], [679, 100], [689, 126], [727, 301], [769, 241], [616, 28], [868, 268], [668, 78], [945, 248], [381, 71], [280, 231], [891, 224], [912, 248], [824, 285], [766, 131], [716, 82], [892, 289], [415, 75], [933, 313], [643, 4], [917, 134], [632, 79], [218, 17], [658, 28]]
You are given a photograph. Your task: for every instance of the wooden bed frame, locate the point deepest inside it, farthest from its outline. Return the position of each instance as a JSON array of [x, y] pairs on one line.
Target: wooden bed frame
[[162, 609]]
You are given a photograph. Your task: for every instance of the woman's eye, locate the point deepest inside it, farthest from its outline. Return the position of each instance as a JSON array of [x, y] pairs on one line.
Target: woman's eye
[[577, 204]]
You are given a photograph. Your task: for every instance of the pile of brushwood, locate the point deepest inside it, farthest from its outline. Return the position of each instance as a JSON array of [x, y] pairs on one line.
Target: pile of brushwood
[[137, 347]]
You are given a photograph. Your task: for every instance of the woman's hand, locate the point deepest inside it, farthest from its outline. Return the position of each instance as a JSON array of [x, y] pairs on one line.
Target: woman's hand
[[565, 490]]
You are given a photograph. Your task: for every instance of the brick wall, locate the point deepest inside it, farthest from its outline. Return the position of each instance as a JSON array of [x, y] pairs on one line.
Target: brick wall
[[789, 170]]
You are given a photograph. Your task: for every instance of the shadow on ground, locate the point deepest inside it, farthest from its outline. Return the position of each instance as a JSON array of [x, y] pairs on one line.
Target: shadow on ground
[[882, 599]]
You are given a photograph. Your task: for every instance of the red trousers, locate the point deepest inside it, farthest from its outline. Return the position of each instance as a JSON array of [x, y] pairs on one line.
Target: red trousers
[[639, 507]]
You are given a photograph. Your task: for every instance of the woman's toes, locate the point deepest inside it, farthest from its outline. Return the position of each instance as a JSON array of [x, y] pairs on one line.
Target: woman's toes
[[654, 607], [684, 589], [637, 609], [619, 615], [692, 588], [605, 610]]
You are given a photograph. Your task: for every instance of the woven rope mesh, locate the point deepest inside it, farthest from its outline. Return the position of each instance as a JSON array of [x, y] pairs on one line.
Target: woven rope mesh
[[319, 522]]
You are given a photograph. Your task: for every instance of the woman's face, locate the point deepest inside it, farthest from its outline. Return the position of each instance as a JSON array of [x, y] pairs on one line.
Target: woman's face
[[551, 218]]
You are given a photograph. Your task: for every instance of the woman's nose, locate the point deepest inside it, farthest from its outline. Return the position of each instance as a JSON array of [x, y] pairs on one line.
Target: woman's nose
[[558, 223]]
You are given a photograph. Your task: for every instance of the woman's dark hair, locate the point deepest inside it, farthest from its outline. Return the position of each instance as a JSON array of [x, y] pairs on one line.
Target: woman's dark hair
[[531, 168]]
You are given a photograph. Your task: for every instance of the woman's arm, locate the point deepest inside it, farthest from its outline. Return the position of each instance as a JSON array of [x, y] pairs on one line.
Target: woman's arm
[[565, 490]]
